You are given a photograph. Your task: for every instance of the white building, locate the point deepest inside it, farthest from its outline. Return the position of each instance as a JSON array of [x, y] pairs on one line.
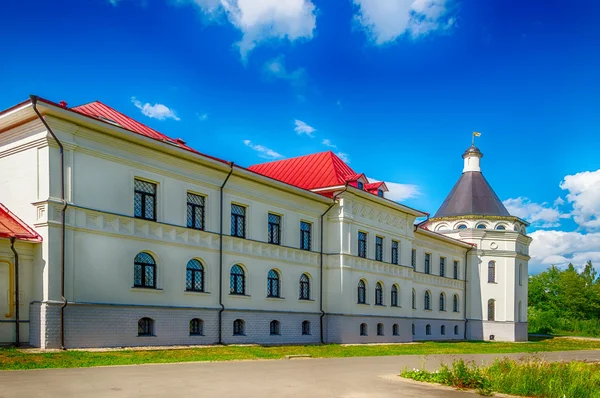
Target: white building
[[126, 237]]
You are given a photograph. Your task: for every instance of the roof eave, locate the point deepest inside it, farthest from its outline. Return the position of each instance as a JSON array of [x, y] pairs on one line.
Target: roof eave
[[386, 202]]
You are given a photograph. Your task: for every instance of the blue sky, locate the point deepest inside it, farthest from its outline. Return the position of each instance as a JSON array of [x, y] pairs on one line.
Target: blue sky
[[396, 86]]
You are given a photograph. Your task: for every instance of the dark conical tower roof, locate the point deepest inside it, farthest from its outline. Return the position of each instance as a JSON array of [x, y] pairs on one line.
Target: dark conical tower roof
[[472, 194]]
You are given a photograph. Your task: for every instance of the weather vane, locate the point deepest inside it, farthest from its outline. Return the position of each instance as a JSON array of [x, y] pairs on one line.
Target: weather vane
[[475, 134]]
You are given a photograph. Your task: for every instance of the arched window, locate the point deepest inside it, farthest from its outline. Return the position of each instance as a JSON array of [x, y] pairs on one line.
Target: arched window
[[238, 327], [194, 278], [491, 310], [362, 292], [413, 329], [520, 274], [380, 329], [455, 329], [455, 303], [305, 328], [427, 300], [274, 327], [519, 313], [461, 226], [146, 327], [144, 271], [363, 329], [394, 296], [481, 226], [492, 272], [396, 330], [443, 330], [414, 299], [304, 287], [428, 330], [273, 284], [196, 327], [500, 227], [237, 280], [442, 302], [378, 294]]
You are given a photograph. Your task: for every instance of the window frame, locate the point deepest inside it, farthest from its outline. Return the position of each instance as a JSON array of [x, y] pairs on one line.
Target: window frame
[[427, 263], [143, 265], [492, 271], [306, 328], [378, 248], [442, 266], [190, 287], [239, 327], [146, 327], [379, 299], [414, 299], [395, 329], [443, 330], [427, 301], [394, 296], [235, 279], [456, 269], [196, 327], [455, 303], [428, 330], [143, 196], [275, 328], [191, 208], [362, 244], [304, 287], [362, 292], [413, 258], [237, 219], [273, 283], [491, 310], [274, 228], [394, 252], [305, 235], [380, 329], [442, 302], [364, 329]]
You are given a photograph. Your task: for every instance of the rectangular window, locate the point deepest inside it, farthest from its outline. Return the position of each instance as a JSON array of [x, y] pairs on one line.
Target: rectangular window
[[274, 229], [360, 185], [455, 269], [195, 211], [378, 248], [305, 235], [394, 252], [413, 258], [144, 204], [362, 244], [238, 221], [442, 266], [427, 263]]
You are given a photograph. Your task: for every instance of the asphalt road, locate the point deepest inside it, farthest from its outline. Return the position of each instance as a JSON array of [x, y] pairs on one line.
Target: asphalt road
[[335, 377]]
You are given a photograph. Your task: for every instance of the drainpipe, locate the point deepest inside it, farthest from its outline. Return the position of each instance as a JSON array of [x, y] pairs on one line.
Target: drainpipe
[[221, 255], [321, 264], [34, 99], [12, 247], [465, 298]]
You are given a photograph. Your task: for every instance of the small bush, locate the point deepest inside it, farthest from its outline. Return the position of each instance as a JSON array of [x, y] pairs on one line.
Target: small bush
[[533, 378]]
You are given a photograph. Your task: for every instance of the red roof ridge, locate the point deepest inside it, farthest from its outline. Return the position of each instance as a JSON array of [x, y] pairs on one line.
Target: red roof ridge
[[12, 226]]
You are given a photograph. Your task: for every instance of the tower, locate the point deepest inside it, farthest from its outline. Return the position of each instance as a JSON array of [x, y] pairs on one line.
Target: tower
[[496, 267]]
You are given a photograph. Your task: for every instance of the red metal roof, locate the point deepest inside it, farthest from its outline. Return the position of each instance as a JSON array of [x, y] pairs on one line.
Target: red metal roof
[[12, 226], [106, 114], [318, 170]]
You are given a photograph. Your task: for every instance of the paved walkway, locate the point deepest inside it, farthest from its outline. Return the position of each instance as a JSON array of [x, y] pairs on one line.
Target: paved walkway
[[335, 377]]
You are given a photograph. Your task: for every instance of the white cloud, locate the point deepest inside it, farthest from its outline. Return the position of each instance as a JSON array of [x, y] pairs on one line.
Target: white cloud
[[303, 128], [276, 69], [263, 151], [202, 116], [538, 214], [156, 111], [560, 248], [584, 195], [344, 156], [386, 21], [327, 142], [399, 192], [262, 20]]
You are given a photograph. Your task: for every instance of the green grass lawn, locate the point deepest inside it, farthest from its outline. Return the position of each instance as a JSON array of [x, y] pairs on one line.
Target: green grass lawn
[[11, 358], [530, 378]]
